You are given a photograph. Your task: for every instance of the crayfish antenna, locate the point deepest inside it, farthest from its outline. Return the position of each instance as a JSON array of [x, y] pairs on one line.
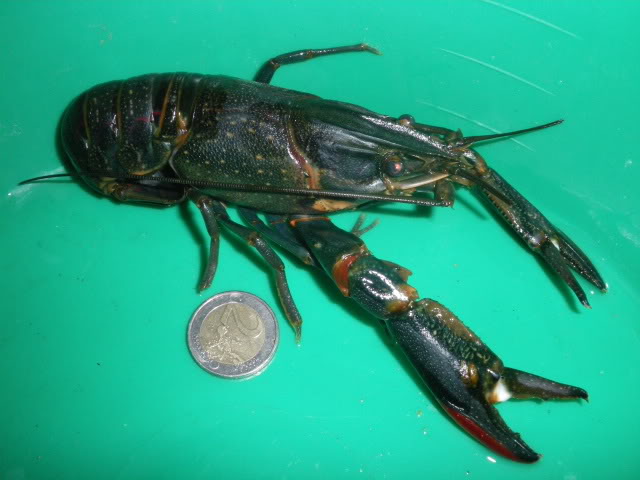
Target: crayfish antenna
[[46, 177], [468, 141]]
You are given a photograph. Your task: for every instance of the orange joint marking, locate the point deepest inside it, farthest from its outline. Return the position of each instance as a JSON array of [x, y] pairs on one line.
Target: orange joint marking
[[301, 159], [340, 270], [325, 205], [144, 172], [181, 140], [165, 103], [295, 221], [403, 304], [481, 166]]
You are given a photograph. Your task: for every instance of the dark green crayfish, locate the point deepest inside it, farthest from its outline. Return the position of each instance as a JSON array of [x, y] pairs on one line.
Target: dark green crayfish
[[294, 157]]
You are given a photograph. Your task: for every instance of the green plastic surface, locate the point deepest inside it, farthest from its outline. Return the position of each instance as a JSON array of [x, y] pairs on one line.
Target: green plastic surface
[[96, 378]]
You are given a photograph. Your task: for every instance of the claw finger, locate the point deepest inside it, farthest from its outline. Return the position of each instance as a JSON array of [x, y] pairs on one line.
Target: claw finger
[[555, 260], [557, 250], [486, 425], [526, 385], [579, 261]]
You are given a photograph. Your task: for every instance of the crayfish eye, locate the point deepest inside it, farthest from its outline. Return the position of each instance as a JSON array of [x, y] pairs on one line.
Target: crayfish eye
[[393, 166]]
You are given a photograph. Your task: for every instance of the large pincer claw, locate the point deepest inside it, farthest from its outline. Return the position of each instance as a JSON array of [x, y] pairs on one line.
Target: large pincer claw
[[467, 378], [555, 248]]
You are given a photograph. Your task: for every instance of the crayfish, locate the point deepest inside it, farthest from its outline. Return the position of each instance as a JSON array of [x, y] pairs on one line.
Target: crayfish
[[296, 158]]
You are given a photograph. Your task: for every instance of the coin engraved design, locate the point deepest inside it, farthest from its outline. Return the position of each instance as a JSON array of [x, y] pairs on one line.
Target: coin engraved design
[[233, 335]]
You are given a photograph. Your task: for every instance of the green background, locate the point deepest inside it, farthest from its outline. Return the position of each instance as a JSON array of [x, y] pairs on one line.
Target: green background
[[96, 379]]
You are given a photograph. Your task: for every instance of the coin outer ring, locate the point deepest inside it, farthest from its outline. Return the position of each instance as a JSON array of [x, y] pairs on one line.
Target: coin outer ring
[[250, 368]]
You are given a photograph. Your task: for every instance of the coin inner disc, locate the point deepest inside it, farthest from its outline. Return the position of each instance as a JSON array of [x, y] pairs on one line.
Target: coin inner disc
[[232, 334]]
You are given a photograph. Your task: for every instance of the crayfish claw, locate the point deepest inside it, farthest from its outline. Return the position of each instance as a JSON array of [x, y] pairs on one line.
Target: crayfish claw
[[555, 248], [579, 261], [462, 373], [485, 424], [553, 257], [467, 378]]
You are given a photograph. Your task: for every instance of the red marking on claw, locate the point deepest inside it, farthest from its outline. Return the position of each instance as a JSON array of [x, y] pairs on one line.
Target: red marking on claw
[[484, 437]]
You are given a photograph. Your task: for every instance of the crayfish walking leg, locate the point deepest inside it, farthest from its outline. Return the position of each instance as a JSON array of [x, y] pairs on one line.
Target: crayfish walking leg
[[213, 213], [463, 374]]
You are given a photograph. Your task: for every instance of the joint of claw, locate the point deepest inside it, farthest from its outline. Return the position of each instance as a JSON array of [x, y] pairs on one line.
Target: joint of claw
[[340, 272], [400, 305]]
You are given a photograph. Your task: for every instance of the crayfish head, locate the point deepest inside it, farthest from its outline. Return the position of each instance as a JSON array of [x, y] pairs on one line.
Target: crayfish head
[[354, 149]]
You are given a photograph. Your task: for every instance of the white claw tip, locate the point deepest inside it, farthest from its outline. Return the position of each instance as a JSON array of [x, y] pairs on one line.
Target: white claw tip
[[500, 393]]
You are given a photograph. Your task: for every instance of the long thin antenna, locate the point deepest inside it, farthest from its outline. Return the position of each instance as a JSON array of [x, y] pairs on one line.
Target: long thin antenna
[[466, 141], [245, 187], [46, 177]]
